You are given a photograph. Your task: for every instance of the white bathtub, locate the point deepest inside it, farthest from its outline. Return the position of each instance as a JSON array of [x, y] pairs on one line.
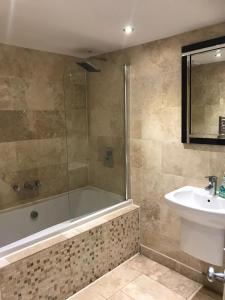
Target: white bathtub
[[55, 215]]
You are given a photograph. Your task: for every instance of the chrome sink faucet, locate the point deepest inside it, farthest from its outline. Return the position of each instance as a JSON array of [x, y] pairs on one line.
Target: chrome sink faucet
[[212, 186]]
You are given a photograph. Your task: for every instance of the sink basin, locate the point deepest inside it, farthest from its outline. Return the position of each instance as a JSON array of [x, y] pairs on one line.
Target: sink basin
[[197, 205], [202, 222]]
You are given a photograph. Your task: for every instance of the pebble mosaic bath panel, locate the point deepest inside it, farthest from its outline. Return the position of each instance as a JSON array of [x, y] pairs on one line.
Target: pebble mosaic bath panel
[[66, 267]]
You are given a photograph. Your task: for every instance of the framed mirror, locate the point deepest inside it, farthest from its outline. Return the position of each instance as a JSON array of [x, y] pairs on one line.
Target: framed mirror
[[203, 92]]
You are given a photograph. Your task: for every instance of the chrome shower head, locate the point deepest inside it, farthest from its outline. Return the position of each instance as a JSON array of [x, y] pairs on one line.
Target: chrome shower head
[[88, 66]]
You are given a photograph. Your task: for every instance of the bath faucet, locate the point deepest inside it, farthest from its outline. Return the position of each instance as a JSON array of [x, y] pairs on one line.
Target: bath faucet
[[212, 186], [32, 185]]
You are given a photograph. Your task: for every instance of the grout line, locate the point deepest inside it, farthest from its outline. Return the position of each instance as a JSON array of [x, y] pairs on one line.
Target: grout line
[[175, 293], [127, 295], [194, 293], [128, 281], [156, 280], [121, 289], [104, 275], [127, 284], [154, 263]]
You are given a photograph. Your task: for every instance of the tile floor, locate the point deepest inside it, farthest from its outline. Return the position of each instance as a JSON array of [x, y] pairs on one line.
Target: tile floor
[[143, 279]]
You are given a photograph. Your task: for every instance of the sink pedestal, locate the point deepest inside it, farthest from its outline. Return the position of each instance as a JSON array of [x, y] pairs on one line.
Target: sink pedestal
[[203, 242]]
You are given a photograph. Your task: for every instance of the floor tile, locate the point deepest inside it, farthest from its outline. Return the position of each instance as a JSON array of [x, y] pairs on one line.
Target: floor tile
[[120, 296], [147, 266], [87, 294], [143, 279], [112, 282], [179, 283], [205, 294], [145, 288]]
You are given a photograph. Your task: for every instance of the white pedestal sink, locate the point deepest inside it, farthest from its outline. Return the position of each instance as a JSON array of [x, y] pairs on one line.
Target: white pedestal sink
[[202, 222]]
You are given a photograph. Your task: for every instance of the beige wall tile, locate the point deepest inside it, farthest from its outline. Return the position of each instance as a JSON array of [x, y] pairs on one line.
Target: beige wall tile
[[101, 176], [78, 177], [136, 153], [137, 185], [151, 162], [106, 124], [75, 95], [19, 129], [45, 95], [40, 153], [13, 93], [171, 89], [135, 123], [172, 159], [159, 162], [152, 126], [43, 98], [77, 148], [15, 61], [76, 122]]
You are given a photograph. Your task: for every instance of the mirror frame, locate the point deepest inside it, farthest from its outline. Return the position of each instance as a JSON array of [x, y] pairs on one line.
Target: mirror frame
[[187, 51]]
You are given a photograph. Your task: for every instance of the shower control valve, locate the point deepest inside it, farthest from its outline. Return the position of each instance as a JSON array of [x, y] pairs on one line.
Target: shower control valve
[[32, 185], [16, 188]]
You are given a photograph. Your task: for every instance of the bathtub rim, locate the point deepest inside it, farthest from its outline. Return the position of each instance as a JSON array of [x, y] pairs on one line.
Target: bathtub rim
[[45, 239], [52, 197]]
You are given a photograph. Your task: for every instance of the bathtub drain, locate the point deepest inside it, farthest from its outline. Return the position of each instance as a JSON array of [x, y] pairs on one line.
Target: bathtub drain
[[34, 215]]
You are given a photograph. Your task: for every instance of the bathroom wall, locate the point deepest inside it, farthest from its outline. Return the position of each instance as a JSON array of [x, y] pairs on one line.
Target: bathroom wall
[[51, 130], [106, 125], [159, 161], [208, 97], [41, 96]]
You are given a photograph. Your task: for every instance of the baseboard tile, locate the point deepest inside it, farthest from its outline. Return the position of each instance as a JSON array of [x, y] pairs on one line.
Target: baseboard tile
[[180, 267]]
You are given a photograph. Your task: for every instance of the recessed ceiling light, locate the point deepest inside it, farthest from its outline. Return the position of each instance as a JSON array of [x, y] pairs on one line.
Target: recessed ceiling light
[[128, 29]]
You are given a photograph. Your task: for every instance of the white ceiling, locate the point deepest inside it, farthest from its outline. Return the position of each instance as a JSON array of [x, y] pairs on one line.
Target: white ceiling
[[75, 26]]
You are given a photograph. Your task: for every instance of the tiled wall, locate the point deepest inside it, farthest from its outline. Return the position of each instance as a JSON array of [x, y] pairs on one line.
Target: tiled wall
[[75, 89], [45, 117], [208, 97], [42, 95], [106, 125], [159, 161], [78, 257]]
